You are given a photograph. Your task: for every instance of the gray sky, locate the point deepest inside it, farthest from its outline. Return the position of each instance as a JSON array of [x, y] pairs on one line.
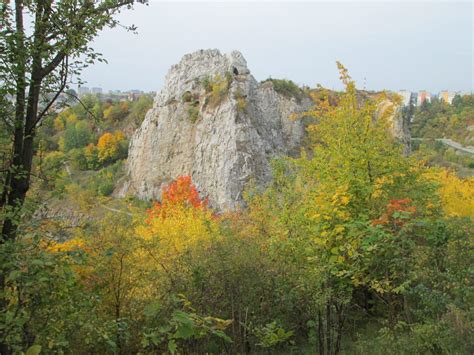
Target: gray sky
[[387, 44]]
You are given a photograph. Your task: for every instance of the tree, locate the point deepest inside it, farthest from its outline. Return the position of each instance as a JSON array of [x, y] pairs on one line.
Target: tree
[[111, 146], [76, 135], [140, 108], [36, 66], [457, 195], [320, 208], [175, 226]]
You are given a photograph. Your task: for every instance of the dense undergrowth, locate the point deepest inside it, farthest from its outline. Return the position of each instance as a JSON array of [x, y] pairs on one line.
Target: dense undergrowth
[[352, 249]]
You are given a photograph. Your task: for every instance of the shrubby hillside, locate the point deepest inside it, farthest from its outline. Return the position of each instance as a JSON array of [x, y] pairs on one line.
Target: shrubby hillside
[[436, 120], [352, 248]]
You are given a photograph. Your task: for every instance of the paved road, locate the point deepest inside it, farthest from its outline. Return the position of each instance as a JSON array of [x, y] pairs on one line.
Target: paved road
[[451, 143]]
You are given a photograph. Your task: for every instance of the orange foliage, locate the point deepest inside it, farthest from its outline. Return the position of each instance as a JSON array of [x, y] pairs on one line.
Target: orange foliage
[[181, 192], [396, 211]]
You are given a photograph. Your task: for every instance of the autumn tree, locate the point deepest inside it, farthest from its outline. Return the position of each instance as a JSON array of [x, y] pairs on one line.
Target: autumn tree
[[111, 147], [320, 208], [37, 61], [457, 194], [37, 67], [175, 225]]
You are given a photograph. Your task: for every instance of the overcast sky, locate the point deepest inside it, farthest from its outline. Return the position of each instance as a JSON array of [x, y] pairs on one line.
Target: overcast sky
[[386, 44]]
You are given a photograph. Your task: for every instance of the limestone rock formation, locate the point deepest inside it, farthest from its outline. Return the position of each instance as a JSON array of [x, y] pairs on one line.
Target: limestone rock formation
[[400, 125], [212, 120]]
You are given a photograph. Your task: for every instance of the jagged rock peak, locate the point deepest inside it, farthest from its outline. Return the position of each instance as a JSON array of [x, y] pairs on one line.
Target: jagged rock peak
[[223, 133], [193, 67]]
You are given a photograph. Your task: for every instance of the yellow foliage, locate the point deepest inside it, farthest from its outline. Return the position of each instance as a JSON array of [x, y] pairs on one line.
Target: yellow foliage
[[71, 119], [219, 88], [457, 194], [177, 230], [59, 123], [175, 227], [119, 136], [124, 106], [74, 244], [108, 111], [61, 144], [109, 144]]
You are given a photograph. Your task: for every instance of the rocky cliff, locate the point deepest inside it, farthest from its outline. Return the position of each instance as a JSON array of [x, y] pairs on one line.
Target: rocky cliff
[[212, 120]]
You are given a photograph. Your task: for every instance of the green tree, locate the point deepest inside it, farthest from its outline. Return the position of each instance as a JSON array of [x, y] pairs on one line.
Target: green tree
[[140, 108], [321, 207], [77, 135], [36, 65]]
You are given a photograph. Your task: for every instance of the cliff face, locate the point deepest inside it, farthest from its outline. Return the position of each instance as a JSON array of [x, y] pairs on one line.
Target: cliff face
[[213, 121]]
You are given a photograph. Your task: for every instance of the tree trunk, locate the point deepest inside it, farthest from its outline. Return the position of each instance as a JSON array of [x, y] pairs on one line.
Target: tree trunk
[[328, 327], [340, 326], [320, 334], [9, 197]]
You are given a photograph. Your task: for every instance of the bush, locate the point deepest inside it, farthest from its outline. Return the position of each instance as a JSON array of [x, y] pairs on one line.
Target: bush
[[105, 188], [193, 114], [52, 171], [241, 101], [116, 112], [187, 97], [104, 182], [207, 83], [53, 162], [287, 88], [91, 154], [217, 88], [78, 159]]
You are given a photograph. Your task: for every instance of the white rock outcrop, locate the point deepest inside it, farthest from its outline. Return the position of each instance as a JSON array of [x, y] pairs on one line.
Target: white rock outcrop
[[221, 146]]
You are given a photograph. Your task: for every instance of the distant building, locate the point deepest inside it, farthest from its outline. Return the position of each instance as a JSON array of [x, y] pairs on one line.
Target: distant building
[[96, 90], [447, 96], [83, 90], [422, 97], [406, 97]]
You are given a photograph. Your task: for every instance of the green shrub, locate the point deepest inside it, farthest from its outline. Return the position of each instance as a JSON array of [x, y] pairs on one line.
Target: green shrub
[[103, 183], [287, 88], [53, 162], [139, 108], [187, 97], [51, 169], [217, 87], [193, 114], [206, 83], [241, 101], [271, 335], [78, 159], [105, 188], [91, 154]]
